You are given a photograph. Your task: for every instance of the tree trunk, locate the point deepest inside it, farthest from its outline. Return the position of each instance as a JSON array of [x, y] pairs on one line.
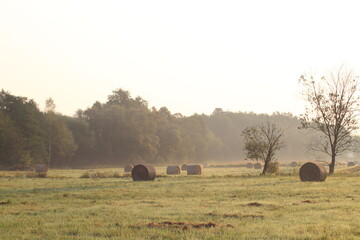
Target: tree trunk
[[265, 167], [332, 164]]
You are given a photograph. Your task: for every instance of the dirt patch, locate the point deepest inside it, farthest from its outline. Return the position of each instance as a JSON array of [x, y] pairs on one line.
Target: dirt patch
[[158, 205], [307, 201], [115, 203], [237, 215], [270, 207], [243, 216], [183, 225], [304, 201], [350, 197], [70, 195], [253, 204]]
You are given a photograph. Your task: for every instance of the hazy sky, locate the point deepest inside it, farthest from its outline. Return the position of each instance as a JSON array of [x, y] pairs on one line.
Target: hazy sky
[[190, 56]]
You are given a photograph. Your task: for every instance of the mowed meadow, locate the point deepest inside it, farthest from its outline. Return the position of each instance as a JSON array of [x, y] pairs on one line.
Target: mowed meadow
[[222, 203]]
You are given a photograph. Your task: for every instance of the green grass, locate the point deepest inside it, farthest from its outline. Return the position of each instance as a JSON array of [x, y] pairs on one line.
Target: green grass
[[238, 202]]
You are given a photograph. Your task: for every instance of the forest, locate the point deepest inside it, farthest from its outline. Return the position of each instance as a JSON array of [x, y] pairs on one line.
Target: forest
[[125, 130]]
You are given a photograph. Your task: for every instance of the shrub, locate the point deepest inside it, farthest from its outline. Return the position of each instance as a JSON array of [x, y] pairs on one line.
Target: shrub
[[273, 167]]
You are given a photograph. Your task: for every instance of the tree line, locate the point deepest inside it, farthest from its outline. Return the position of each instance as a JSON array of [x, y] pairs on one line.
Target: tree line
[[126, 130]]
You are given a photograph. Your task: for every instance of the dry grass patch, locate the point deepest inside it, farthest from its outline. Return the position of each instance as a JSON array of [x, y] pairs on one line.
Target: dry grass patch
[[106, 174], [36, 174]]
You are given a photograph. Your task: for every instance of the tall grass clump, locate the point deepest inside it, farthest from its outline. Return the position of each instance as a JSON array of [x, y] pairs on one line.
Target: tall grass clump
[[98, 174]]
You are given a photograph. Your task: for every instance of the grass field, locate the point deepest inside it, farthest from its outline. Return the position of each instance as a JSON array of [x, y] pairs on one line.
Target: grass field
[[223, 203]]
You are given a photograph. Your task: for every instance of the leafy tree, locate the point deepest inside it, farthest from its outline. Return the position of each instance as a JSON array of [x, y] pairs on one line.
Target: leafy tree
[[227, 127], [61, 144], [84, 139], [28, 122], [11, 143], [124, 129], [50, 115], [123, 98], [333, 110], [165, 113], [195, 138], [169, 134], [169, 142], [262, 142]]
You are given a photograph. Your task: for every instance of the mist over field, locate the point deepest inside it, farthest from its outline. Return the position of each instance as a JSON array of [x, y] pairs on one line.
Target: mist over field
[[125, 130]]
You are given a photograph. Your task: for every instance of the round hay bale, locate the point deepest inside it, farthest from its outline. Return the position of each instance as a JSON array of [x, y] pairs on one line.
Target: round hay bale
[[350, 164], [273, 167], [173, 170], [143, 172], [184, 167], [193, 169], [250, 165], [128, 168], [257, 166], [312, 172], [293, 164], [41, 168]]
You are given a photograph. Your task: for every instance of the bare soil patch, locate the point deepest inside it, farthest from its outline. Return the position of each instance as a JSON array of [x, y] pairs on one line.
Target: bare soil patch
[[307, 201], [235, 215], [255, 204], [183, 225]]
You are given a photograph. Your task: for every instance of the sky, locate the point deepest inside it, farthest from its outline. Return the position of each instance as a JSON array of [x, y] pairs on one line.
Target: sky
[[190, 56]]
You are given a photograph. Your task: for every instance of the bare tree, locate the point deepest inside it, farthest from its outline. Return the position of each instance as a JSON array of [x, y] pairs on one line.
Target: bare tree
[[333, 110], [261, 142]]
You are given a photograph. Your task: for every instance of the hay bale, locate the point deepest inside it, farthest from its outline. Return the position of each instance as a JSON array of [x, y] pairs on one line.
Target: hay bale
[[312, 172], [273, 167], [350, 164], [257, 166], [41, 168], [193, 169], [293, 164], [250, 165], [142, 172], [184, 167], [128, 168], [173, 170]]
